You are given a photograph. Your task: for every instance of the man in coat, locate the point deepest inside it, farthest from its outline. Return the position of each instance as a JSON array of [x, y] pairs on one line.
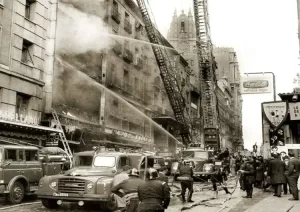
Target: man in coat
[[276, 172], [248, 177], [292, 175], [186, 181]]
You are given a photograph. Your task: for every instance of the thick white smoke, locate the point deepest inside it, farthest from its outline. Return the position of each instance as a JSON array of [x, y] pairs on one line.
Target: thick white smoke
[[79, 32]]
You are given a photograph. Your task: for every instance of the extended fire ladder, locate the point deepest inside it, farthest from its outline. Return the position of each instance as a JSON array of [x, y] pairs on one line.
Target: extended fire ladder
[[62, 137], [170, 83], [207, 74]]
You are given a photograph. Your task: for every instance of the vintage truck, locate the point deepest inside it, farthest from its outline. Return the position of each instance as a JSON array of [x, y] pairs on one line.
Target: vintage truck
[[201, 161], [90, 179], [21, 168]]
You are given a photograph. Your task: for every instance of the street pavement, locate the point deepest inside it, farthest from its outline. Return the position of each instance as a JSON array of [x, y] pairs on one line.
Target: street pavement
[[203, 197]]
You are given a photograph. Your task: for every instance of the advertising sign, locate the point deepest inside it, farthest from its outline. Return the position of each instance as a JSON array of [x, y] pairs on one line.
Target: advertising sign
[[257, 84], [293, 146], [275, 112], [294, 111]]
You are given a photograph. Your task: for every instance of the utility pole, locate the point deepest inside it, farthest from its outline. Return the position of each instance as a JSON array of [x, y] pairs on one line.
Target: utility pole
[[298, 11]]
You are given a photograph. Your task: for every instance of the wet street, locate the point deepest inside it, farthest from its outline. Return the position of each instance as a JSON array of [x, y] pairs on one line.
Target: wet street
[[261, 202]]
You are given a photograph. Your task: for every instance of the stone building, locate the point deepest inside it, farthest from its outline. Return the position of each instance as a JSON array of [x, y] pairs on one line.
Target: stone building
[[26, 50], [230, 103], [182, 35], [112, 89]]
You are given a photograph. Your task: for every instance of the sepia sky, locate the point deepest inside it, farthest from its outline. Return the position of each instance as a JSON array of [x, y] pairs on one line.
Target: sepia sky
[[264, 35]]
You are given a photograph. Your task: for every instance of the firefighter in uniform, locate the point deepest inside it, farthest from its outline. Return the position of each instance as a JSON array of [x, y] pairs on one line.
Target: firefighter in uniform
[[130, 187], [154, 195], [186, 180], [219, 177]]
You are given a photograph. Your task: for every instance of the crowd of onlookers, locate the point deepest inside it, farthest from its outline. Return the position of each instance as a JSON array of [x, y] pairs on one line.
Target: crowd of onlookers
[[280, 173]]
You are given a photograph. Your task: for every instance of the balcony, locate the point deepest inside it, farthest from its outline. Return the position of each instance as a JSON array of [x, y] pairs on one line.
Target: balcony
[[117, 48], [113, 81], [127, 88], [128, 56], [139, 63], [128, 26], [116, 15]]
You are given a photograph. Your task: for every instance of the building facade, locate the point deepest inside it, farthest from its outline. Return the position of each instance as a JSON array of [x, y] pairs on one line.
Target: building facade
[[113, 92], [26, 35], [230, 103], [182, 35]]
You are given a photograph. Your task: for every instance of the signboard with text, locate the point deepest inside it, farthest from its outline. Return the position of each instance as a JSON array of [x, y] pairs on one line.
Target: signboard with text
[[275, 112], [257, 84], [294, 111]]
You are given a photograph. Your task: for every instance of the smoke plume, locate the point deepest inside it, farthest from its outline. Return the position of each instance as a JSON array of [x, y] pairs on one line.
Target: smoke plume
[[78, 30]]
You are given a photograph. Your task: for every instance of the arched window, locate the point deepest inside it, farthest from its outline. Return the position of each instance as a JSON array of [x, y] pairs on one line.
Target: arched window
[[182, 26]]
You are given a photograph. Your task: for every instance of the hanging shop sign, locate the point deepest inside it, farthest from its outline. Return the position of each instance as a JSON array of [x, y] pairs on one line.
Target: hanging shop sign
[[275, 112], [257, 84], [294, 111]]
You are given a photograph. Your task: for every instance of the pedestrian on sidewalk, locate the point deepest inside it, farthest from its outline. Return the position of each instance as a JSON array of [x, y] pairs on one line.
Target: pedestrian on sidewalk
[[248, 176], [292, 174], [130, 189], [276, 172], [285, 159], [186, 181], [259, 175], [154, 195]]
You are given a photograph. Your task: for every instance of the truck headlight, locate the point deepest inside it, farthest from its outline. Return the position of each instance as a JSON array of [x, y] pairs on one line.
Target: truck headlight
[[53, 185], [207, 167], [89, 186]]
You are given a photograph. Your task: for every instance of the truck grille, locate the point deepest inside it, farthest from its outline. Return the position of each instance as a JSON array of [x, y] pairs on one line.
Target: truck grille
[[71, 185]]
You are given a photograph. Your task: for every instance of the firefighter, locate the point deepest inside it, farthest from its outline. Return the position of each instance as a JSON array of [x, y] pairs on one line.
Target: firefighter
[[218, 177], [186, 180], [154, 195], [130, 187]]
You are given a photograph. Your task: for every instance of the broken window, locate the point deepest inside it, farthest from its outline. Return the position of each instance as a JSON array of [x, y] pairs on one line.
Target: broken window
[[26, 52], [182, 26], [22, 106]]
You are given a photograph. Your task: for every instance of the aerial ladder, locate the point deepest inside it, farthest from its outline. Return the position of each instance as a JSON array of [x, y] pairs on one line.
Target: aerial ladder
[[207, 68], [170, 83]]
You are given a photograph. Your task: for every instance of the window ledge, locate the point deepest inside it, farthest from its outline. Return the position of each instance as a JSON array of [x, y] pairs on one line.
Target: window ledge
[[26, 64], [29, 20]]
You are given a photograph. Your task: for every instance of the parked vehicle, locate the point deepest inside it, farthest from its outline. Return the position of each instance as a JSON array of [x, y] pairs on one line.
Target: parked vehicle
[[21, 170], [90, 179], [199, 159]]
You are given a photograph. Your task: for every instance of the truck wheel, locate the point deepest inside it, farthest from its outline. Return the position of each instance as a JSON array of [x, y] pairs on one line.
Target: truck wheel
[[50, 203], [16, 193], [108, 206]]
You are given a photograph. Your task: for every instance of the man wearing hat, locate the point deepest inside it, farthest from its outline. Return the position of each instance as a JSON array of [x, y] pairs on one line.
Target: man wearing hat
[[186, 181], [154, 195], [248, 175], [130, 187]]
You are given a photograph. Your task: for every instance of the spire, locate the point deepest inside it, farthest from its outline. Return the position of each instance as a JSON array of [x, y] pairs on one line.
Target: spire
[[182, 11], [190, 12], [175, 12]]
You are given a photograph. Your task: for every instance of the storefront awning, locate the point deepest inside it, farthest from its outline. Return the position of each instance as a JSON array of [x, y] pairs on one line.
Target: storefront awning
[[166, 120], [24, 126]]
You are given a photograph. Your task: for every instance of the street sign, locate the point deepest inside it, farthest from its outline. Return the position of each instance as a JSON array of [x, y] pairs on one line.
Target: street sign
[[257, 84], [292, 146], [294, 111], [275, 112]]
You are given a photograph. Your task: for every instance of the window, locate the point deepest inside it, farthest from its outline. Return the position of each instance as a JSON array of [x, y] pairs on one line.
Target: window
[[83, 161], [11, 154], [21, 155], [123, 161], [101, 161], [28, 8], [31, 155], [115, 5], [22, 105], [192, 62], [127, 17], [182, 26], [26, 52]]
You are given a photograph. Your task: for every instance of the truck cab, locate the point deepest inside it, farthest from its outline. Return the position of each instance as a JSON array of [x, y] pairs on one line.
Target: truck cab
[[21, 170], [90, 179]]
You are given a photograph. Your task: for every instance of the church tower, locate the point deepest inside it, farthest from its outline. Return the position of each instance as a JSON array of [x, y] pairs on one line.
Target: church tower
[[182, 35]]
